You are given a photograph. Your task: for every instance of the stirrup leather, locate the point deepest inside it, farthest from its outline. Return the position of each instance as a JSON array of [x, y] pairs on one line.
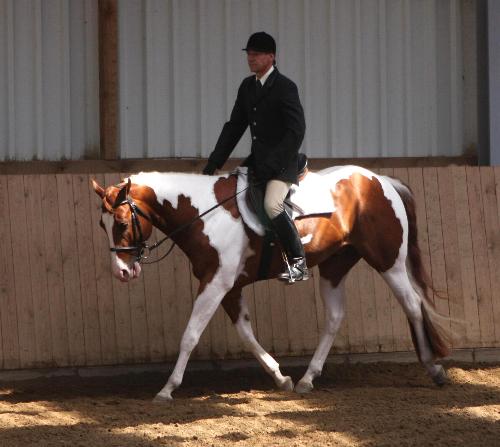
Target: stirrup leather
[[297, 270]]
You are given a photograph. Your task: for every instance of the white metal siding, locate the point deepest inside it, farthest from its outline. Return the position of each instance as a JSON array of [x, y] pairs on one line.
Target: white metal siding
[[376, 77], [49, 103]]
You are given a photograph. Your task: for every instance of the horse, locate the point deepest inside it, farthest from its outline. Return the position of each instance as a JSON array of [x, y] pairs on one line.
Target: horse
[[373, 218]]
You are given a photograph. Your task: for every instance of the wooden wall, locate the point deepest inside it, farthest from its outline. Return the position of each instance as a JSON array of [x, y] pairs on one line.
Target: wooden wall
[[59, 305]]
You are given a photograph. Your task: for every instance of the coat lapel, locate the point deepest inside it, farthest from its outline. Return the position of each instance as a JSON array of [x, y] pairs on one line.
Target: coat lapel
[[266, 88]]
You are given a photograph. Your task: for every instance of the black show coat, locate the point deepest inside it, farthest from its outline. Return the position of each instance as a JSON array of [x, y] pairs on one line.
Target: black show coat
[[277, 128]]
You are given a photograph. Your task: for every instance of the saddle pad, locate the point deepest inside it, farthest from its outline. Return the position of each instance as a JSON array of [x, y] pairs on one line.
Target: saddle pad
[[311, 196]]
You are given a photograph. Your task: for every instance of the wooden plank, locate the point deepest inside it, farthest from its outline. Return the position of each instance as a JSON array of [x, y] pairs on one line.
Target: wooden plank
[[368, 307], [310, 333], [86, 263], [483, 285], [174, 315], [54, 268], [263, 320], [154, 310], [383, 306], [436, 247], [353, 311], [492, 228], [139, 324], [496, 300], [400, 329], [103, 279], [123, 324], [8, 305], [24, 301], [108, 78], [452, 255], [38, 270], [70, 268], [295, 318], [466, 256], [281, 343]]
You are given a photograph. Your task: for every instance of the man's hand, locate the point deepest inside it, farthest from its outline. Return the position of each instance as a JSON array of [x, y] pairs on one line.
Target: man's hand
[[209, 169]]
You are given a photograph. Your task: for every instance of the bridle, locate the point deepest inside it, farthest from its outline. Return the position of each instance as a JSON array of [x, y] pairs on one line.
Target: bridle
[[139, 244]]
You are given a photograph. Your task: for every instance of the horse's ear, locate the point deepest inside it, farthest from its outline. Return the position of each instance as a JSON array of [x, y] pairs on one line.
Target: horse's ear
[[122, 194], [98, 189]]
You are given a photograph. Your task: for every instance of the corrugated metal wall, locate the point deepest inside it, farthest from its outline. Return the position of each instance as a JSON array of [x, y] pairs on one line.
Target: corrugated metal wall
[[49, 84], [376, 77]]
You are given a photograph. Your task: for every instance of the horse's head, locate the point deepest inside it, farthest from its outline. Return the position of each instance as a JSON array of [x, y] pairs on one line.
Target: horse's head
[[127, 224]]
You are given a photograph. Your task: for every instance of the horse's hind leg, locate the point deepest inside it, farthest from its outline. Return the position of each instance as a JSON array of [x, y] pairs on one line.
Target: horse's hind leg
[[235, 305], [422, 327], [332, 278]]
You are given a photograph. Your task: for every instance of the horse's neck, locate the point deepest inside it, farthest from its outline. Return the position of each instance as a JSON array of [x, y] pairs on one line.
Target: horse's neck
[[180, 196]]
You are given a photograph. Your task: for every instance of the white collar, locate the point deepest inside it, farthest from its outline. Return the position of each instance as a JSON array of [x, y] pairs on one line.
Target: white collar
[[263, 79]]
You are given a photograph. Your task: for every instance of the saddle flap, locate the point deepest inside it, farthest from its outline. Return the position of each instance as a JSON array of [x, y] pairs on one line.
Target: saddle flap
[[310, 197]]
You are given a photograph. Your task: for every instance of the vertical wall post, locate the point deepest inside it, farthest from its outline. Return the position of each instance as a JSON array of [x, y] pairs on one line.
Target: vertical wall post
[[108, 78], [494, 81]]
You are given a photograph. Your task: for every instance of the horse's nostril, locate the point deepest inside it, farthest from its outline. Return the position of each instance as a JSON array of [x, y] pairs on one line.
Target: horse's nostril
[[125, 274]]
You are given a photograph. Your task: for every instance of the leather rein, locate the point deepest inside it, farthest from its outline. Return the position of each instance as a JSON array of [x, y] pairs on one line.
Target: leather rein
[[140, 245]]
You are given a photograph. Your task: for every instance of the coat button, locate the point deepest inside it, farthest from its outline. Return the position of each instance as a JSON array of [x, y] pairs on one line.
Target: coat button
[[254, 123], [254, 109], [254, 137]]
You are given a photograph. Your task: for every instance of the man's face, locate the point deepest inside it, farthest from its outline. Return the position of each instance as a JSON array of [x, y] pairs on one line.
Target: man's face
[[259, 62]]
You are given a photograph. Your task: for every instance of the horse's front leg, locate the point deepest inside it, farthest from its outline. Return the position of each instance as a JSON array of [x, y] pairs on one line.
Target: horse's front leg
[[235, 305], [203, 310]]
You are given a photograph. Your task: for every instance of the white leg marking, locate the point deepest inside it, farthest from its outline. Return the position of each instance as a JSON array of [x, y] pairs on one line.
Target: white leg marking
[[203, 310], [244, 329], [333, 299]]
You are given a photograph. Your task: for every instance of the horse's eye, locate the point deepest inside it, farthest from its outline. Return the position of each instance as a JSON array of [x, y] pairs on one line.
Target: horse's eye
[[122, 225]]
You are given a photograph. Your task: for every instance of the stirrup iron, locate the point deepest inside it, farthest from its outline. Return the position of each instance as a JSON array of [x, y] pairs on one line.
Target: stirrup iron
[[297, 271]]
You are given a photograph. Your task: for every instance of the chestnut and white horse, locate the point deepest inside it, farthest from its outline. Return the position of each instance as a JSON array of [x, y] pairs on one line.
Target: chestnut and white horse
[[373, 218]]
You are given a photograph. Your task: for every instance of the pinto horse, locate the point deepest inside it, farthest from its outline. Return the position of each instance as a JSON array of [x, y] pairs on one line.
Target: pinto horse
[[374, 219]]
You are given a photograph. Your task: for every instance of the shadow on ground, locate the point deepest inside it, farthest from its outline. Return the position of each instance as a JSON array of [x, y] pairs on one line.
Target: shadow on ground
[[371, 404]]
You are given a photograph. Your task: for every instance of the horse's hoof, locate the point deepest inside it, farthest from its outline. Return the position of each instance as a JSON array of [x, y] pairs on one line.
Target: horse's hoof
[[287, 384], [440, 378], [303, 387], [162, 398]]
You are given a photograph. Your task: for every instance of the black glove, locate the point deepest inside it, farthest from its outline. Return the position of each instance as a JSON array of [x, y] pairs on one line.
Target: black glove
[[209, 169]]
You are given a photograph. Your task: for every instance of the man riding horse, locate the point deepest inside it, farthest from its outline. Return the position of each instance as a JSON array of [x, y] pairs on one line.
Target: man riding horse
[[269, 103]]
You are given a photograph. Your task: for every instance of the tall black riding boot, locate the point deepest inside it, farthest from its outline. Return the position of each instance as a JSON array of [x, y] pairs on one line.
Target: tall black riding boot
[[290, 239]]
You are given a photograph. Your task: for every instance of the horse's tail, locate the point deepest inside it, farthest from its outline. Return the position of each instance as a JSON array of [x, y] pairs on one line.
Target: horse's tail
[[436, 335]]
